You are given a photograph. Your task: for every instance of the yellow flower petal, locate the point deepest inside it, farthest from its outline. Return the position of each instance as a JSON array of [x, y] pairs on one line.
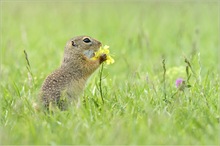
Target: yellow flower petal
[[110, 60], [105, 47], [104, 50]]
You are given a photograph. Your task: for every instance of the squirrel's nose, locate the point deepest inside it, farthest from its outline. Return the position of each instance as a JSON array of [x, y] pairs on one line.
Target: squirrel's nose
[[100, 44]]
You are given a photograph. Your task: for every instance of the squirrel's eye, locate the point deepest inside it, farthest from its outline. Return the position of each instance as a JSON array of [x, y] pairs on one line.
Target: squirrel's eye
[[86, 40]]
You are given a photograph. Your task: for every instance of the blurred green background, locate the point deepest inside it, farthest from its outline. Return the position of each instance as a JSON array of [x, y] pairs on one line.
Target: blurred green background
[[140, 34]]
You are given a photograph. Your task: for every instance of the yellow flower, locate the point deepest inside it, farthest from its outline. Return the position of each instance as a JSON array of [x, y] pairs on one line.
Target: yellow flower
[[101, 51]]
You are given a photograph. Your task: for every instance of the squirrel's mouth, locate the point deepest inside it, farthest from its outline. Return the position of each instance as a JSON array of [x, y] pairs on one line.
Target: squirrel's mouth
[[89, 53]]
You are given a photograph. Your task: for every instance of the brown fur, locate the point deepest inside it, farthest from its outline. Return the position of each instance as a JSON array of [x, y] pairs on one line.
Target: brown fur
[[69, 80]]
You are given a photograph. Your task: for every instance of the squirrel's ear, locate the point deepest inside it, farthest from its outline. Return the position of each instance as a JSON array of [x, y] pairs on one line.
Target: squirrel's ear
[[73, 43]]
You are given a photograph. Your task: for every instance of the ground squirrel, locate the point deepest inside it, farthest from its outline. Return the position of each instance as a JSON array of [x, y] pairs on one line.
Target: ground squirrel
[[69, 79]]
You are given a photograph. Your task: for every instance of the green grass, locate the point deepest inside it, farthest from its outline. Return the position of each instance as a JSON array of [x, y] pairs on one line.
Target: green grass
[[141, 104]]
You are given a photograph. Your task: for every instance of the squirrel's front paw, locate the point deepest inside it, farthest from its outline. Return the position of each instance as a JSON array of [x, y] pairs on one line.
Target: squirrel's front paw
[[102, 58]]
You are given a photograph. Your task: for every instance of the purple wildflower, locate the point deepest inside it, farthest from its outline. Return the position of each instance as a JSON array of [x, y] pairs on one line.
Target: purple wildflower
[[179, 82]]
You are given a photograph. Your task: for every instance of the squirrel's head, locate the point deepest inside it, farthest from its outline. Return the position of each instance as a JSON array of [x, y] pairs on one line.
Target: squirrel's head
[[80, 44]]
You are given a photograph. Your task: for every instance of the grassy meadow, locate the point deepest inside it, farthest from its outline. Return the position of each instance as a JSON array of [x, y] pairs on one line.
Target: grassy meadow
[[153, 43]]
